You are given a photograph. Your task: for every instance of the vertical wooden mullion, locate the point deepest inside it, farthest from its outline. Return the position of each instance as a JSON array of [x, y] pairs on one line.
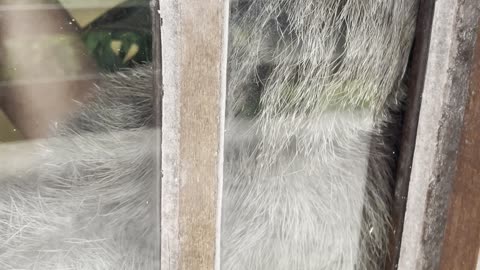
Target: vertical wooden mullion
[[157, 97], [415, 80], [194, 71], [462, 235], [438, 143]]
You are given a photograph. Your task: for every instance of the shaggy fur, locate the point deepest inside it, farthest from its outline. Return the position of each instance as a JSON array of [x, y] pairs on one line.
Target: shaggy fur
[[310, 86]]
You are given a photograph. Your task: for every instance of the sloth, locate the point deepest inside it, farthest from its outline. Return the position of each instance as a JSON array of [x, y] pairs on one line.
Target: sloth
[[312, 86]]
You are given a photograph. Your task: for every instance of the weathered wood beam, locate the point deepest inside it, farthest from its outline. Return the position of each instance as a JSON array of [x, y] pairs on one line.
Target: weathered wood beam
[[194, 40], [438, 159]]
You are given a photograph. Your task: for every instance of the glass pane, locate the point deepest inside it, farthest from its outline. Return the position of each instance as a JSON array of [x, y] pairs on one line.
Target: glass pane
[[313, 90], [78, 183]]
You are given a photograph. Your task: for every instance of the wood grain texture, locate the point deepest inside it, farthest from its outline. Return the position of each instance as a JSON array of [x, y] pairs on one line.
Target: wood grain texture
[[462, 236], [446, 91], [194, 72], [157, 109]]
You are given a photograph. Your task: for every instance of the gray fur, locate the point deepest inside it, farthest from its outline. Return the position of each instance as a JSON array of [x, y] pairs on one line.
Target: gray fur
[[311, 84]]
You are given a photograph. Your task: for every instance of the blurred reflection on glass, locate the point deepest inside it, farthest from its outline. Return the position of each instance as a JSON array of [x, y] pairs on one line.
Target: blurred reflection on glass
[[77, 177]]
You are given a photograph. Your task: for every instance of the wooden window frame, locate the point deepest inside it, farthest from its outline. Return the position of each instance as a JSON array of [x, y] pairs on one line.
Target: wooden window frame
[[437, 192], [190, 63], [436, 222]]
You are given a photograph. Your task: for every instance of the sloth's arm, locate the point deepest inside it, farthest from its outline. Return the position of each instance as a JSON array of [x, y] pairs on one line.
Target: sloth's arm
[[44, 68]]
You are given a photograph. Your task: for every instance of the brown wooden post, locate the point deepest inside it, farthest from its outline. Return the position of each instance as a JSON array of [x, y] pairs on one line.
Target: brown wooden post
[[194, 44], [157, 97], [462, 236], [438, 219]]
